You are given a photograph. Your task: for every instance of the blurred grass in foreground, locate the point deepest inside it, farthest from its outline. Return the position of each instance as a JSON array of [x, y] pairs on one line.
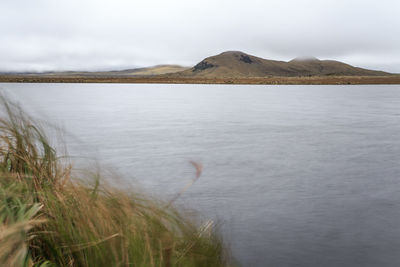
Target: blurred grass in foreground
[[48, 217]]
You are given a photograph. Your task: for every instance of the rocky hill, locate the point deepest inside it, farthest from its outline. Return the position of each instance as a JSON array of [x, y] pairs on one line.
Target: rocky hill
[[238, 64]]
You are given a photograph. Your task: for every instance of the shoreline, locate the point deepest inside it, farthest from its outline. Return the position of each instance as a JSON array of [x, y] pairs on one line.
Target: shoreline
[[314, 80]]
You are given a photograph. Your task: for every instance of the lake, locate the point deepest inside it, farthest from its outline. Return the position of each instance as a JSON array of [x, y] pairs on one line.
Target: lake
[[294, 175]]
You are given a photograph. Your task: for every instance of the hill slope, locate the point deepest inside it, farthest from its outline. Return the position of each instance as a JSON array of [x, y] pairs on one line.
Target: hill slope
[[138, 72], [239, 64], [155, 70]]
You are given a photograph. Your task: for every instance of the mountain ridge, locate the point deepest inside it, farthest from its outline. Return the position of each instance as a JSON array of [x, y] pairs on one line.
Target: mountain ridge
[[239, 64], [228, 64]]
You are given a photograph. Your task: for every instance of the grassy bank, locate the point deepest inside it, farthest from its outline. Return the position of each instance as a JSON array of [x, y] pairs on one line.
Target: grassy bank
[[49, 217], [313, 80]]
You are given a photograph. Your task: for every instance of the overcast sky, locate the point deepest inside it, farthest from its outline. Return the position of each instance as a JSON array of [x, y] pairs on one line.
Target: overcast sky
[[39, 35]]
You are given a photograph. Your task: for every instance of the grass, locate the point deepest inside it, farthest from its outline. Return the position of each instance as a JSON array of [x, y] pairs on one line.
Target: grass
[[50, 217], [176, 79]]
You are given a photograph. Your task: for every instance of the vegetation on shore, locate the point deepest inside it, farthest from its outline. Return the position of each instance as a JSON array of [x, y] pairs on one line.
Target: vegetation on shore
[[50, 217], [313, 80]]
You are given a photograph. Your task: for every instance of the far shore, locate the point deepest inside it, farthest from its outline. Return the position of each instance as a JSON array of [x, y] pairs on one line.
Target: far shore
[[328, 80]]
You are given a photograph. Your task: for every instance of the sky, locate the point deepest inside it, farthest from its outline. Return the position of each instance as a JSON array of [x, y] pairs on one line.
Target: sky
[[45, 35]]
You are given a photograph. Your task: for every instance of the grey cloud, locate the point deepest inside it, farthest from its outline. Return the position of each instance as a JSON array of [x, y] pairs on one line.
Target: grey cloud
[[92, 35]]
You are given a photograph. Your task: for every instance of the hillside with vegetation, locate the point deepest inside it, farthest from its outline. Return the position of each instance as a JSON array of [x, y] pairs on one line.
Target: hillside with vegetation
[[228, 67], [236, 64]]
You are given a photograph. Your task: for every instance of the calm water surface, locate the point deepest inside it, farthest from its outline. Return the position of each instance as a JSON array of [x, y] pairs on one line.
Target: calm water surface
[[296, 175]]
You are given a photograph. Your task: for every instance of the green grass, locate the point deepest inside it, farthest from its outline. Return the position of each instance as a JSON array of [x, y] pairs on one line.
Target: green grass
[[49, 217]]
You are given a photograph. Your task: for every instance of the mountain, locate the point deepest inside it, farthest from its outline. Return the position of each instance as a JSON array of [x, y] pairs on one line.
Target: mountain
[[227, 66], [241, 65]]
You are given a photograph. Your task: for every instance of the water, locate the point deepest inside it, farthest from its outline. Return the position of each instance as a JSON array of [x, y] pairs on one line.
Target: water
[[296, 175]]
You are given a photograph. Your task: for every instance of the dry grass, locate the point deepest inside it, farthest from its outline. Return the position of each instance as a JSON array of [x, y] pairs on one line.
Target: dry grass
[[392, 79], [50, 218]]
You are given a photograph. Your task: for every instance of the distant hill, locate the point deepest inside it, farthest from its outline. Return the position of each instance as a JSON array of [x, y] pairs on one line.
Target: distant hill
[[230, 65], [138, 72], [241, 65], [156, 70]]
